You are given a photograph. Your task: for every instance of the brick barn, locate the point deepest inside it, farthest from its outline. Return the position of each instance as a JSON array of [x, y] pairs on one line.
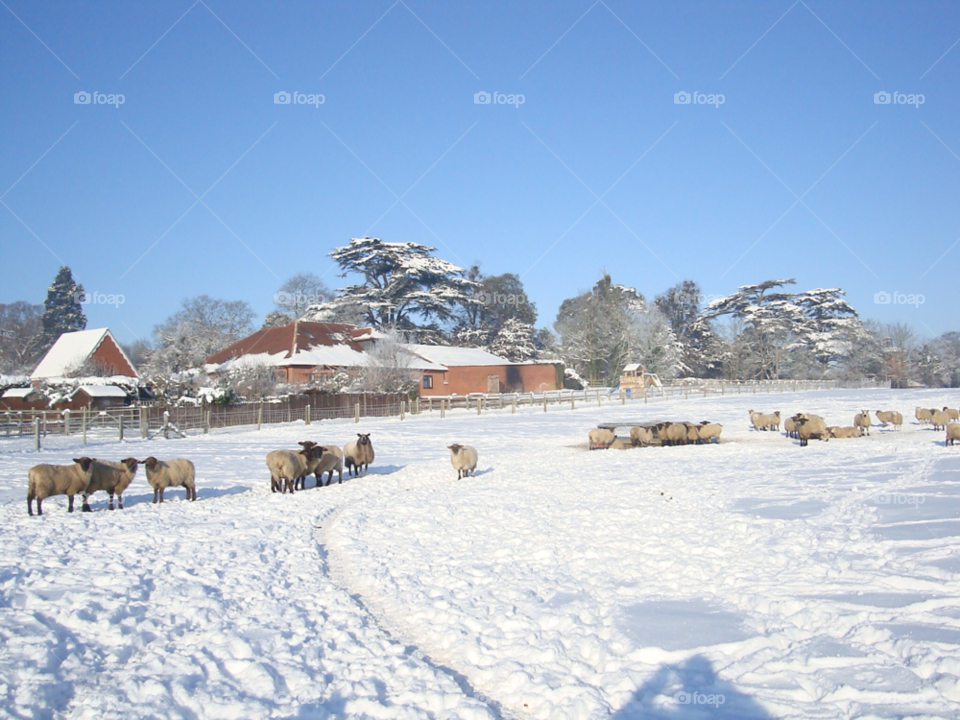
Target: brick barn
[[84, 353], [17, 399], [472, 370]]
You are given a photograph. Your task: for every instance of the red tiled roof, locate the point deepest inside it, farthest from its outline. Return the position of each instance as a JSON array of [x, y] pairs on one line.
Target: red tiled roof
[[290, 338]]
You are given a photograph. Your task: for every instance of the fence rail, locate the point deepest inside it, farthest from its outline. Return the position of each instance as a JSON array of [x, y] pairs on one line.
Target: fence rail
[[146, 421]]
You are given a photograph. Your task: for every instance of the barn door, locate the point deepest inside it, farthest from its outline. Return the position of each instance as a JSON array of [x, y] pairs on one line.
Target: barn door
[[493, 384]]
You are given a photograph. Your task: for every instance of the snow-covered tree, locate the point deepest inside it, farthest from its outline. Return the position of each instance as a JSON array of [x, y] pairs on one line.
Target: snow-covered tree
[[21, 336], [497, 299], [830, 326], [701, 348], [202, 326], [514, 341], [388, 367], [276, 318], [594, 328], [403, 284], [654, 345], [62, 310]]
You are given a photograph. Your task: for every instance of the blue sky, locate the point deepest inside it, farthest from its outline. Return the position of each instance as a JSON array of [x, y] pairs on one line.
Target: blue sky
[[693, 191]]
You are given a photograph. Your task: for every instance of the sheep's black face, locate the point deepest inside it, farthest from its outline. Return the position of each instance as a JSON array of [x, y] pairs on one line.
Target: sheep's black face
[[150, 462], [364, 439], [84, 463], [454, 448]]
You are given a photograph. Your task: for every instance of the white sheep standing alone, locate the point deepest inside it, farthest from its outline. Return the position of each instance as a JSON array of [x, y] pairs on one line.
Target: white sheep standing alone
[[176, 472], [464, 459], [45, 481], [358, 454], [111, 477], [862, 421]]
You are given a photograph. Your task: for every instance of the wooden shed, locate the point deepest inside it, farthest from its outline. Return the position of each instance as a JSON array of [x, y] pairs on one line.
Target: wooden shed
[[17, 399]]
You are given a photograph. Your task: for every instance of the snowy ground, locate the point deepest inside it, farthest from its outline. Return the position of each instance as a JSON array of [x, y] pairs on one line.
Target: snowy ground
[[819, 582]]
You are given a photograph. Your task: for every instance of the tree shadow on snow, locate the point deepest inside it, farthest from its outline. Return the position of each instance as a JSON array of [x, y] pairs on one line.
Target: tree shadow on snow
[[689, 690]]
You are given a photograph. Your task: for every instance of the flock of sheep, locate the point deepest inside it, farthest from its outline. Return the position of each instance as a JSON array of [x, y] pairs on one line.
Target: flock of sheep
[[288, 472], [663, 433], [88, 475], [806, 426]]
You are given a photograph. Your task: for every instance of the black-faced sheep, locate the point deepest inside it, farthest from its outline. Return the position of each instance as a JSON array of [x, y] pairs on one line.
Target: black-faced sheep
[[953, 434], [45, 481], [463, 458], [111, 477], [358, 454], [332, 459], [601, 438]]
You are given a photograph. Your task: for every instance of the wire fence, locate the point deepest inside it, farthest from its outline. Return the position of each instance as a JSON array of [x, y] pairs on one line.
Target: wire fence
[[33, 430]]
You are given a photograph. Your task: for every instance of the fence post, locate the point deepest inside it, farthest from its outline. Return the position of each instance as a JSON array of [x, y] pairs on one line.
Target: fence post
[[306, 415], [206, 422], [356, 413], [544, 402], [66, 422], [479, 405], [513, 406], [143, 424], [120, 427], [417, 406], [402, 409], [259, 416], [623, 397], [572, 406], [36, 433], [83, 423], [442, 411]]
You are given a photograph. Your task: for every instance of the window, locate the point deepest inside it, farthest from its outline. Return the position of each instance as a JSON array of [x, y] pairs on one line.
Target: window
[[427, 382]]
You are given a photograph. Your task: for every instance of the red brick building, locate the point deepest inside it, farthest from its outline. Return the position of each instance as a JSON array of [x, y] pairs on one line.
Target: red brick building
[[84, 353], [472, 370]]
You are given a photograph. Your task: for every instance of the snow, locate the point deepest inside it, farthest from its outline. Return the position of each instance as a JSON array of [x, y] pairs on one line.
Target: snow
[[457, 356], [96, 391], [792, 582], [18, 392]]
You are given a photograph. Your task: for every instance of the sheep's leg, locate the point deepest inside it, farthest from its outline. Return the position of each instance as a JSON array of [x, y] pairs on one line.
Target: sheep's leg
[[111, 500], [193, 491], [340, 481], [70, 506], [155, 492], [161, 493], [86, 505], [119, 501], [39, 509], [30, 505]]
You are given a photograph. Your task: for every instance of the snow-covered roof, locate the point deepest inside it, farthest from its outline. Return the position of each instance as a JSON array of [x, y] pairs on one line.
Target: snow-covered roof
[[71, 351], [19, 392], [457, 356], [318, 355], [632, 367], [101, 391]]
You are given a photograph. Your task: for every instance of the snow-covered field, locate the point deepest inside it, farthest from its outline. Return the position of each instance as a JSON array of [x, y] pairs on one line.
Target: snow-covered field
[[756, 578]]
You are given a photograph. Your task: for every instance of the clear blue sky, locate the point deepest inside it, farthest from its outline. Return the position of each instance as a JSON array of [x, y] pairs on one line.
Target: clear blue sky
[[699, 189]]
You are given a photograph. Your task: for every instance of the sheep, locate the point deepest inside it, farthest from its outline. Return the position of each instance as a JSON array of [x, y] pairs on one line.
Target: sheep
[[693, 433], [600, 438], [312, 461], [890, 417], [923, 415], [332, 459], [954, 414], [45, 481], [641, 436], [770, 421], [940, 419], [753, 418], [790, 426], [112, 478], [862, 421], [358, 454], [953, 433], [464, 459], [289, 466], [674, 434], [812, 427], [176, 472], [844, 432], [710, 431], [621, 444]]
